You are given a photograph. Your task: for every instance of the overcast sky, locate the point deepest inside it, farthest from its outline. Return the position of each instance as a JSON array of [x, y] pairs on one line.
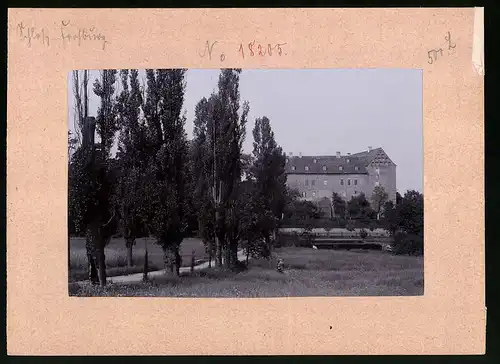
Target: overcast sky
[[319, 112]]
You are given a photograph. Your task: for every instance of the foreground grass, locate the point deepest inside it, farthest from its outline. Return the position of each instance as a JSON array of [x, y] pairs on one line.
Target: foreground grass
[[116, 257], [308, 272]]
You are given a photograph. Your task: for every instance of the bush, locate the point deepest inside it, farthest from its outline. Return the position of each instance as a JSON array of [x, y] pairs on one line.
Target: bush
[[350, 226], [363, 234], [239, 266], [408, 244], [307, 235], [293, 240], [259, 249]]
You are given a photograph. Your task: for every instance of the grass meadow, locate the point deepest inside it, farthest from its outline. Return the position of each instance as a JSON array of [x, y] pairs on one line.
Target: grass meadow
[[116, 257], [308, 272]]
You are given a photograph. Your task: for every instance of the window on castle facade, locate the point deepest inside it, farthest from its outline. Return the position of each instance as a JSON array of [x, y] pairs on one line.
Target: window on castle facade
[[314, 193], [304, 194], [377, 183], [307, 182], [293, 168], [356, 168], [313, 182], [324, 168], [341, 181], [325, 182], [355, 182], [348, 182], [307, 168], [340, 168]]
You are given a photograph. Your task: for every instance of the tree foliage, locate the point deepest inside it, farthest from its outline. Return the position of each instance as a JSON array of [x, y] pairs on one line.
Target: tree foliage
[[106, 122], [379, 198], [339, 205], [359, 207], [300, 211], [405, 221], [411, 213], [399, 198], [167, 151]]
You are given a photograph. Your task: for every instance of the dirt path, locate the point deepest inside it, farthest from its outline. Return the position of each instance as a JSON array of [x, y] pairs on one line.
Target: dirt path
[[137, 277]]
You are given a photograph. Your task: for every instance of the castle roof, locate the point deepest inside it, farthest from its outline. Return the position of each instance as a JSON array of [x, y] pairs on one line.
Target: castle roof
[[339, 164]]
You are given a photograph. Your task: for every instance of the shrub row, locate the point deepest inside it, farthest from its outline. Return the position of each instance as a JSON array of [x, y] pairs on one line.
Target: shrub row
[[333, 223], [293, 240]]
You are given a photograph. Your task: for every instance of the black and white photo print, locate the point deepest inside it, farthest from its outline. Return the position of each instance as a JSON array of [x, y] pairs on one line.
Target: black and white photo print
[[245, 182]]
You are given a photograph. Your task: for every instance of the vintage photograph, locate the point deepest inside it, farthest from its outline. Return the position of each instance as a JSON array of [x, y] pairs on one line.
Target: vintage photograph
[[245, 182]]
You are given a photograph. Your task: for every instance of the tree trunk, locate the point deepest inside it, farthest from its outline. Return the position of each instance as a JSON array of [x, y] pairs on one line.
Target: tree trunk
[[248, 253], [101, 263], [93, 276], [90, 247], [227, 255], [233, 252], [130, 261], [178, 262], [274, 238], [210, 247], [167, 259], [192, 261], [267, 239], [145, 271], [173, 259], [85, 95], [219, 253], [218, 246], [69, 254]]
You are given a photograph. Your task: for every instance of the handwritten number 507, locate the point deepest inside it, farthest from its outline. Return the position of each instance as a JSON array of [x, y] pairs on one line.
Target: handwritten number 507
[[433, 55]]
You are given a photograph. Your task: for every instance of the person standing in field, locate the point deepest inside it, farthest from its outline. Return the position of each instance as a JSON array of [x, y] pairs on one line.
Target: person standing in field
[[279, 266]]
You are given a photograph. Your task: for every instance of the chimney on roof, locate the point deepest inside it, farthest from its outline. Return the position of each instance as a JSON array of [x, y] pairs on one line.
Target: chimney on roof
[[369, 149], [300, 154], [338, 154]]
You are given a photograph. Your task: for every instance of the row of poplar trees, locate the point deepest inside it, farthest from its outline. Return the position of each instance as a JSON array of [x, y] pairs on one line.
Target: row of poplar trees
[[159, 181]]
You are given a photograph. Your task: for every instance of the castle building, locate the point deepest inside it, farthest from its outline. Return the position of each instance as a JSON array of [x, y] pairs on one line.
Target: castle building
[[317, 177]]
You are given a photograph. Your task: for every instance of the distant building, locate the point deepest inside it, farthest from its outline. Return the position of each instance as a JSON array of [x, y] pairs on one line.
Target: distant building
[[317, 177]]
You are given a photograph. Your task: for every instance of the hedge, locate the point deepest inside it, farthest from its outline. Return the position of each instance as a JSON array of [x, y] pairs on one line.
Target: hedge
[[332, 223]]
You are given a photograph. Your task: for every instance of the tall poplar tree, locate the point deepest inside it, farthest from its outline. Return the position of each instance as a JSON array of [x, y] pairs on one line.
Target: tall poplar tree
[[268, 172], [227, 130], [202, 163], [168, 153], [131, 160], [99, 214]]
